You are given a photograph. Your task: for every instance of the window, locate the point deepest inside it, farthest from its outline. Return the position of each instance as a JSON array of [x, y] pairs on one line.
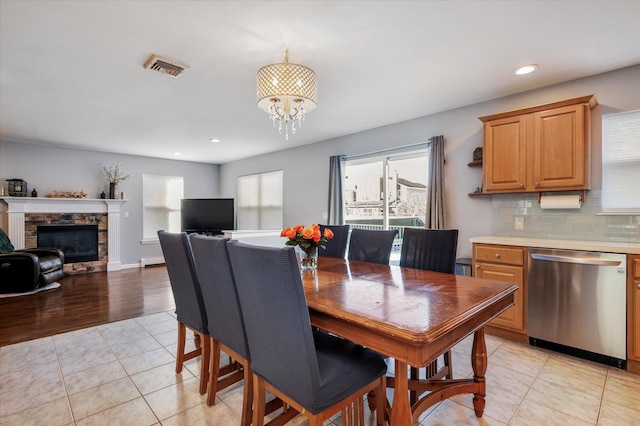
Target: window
[[387, 193], [161, 198], [621, 162], [260, 201]]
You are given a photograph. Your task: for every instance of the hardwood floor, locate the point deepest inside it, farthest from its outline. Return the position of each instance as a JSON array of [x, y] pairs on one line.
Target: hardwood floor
[[84, 301]]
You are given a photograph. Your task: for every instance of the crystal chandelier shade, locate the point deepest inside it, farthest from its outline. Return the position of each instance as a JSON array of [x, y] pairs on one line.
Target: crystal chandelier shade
[[287, 92]]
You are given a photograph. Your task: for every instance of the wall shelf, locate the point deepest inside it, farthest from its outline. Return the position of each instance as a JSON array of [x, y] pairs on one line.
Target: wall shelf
[[474, 163]]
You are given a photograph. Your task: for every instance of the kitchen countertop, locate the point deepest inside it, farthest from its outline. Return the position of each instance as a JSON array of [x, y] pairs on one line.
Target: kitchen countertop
[[604, 246]]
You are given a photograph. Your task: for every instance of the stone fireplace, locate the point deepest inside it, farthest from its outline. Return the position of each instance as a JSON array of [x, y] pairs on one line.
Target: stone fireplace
[[82, 237], [22, 216]]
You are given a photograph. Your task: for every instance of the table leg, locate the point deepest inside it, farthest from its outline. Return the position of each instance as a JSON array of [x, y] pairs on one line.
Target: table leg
[[400, 409], [479, 364]]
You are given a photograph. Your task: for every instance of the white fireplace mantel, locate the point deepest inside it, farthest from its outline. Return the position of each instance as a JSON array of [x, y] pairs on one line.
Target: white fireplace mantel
[[14, 209]]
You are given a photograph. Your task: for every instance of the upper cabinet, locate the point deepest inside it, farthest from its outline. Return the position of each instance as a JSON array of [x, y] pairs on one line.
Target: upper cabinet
[[542, 148]]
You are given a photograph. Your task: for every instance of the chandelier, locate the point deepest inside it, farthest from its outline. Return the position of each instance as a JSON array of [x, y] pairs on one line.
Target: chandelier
[[287, 92]]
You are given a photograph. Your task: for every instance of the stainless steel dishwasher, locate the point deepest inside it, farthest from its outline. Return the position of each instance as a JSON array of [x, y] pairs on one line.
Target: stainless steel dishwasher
[[577, 303]]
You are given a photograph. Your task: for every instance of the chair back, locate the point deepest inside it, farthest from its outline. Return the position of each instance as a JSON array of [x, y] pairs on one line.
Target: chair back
[[184, 280], [337, 246], [219, 292], [430, 249], [276, 319], [371, 246]]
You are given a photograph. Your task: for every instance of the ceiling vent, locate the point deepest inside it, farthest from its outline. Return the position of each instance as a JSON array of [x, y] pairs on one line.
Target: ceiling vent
[[165, 66]]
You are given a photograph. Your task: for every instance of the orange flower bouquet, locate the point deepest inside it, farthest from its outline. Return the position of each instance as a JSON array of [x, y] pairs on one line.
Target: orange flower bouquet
[[308, 239]]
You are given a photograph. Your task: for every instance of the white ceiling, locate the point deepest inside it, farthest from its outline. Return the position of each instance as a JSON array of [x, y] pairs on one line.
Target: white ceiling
[[71, 72]]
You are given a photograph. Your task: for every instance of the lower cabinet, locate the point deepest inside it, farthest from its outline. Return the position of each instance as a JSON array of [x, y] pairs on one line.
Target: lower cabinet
[[508, 263], [504, 263], [633, 321]]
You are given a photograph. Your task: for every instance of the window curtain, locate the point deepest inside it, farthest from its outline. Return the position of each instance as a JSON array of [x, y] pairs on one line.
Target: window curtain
[[435, 188], [335, 208]]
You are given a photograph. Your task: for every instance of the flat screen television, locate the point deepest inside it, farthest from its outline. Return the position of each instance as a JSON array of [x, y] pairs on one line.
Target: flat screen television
[[207, 215]]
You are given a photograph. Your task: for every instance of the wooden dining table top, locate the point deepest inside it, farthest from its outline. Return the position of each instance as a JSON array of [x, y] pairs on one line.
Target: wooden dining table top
[[413, 306]]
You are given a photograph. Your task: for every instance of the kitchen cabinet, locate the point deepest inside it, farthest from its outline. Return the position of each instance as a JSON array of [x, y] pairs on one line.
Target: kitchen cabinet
[[633, 311], [506, 258], [542, 148], [504, 263]]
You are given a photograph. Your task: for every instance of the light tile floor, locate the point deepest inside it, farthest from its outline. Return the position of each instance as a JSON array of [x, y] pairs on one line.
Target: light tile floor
[[123, 374]]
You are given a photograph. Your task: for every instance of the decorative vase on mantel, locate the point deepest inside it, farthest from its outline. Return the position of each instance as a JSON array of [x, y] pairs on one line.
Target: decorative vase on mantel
[[112, 191], [308, 259]]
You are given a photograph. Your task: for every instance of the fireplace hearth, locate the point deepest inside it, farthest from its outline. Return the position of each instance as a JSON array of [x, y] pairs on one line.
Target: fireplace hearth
[[78, 242]]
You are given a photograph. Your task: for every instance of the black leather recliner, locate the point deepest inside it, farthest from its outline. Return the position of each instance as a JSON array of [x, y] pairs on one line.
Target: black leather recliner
[[28, 269]]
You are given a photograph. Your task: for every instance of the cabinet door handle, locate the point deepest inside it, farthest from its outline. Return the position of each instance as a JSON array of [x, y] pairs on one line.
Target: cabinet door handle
[[537, 184], [522, 185], [638, 284], [497, 255], [478, 267]]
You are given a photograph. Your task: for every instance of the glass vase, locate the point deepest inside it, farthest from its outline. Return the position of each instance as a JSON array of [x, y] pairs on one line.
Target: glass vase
[[309, 259]]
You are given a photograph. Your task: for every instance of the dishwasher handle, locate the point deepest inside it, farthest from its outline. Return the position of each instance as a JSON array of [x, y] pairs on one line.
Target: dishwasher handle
[[572, 259]]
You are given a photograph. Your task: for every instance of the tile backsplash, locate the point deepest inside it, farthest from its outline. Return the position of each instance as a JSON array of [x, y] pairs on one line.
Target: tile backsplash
[[564, 224]]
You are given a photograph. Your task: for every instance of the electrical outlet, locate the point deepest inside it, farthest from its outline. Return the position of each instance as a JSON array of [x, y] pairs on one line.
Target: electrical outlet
[[519, 223]]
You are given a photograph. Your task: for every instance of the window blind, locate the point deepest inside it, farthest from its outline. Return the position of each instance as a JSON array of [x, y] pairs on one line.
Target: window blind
[[161, 197], [260, 201], [621, 162]]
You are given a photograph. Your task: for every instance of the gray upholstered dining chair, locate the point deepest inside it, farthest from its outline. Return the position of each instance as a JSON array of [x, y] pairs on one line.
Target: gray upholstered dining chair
[[432, 250], [225, 323], [337, 246], [315, 373], [190, 311], [429, 249], [371, 245]]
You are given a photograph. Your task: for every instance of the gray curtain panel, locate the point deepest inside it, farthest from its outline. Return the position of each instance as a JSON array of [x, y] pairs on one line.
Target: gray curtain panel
[[335, 208], [436, 212]]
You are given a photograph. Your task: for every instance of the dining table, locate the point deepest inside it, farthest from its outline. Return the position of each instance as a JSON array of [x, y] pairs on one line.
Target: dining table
[[412, 316]]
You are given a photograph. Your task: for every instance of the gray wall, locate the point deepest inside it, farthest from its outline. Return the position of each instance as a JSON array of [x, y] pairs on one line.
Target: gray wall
[[306, 169], [60, 169]]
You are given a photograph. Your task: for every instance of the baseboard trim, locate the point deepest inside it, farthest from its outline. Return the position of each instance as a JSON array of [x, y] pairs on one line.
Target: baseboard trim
[[506, 334], [131, 266], [633, 366], [151, 261]]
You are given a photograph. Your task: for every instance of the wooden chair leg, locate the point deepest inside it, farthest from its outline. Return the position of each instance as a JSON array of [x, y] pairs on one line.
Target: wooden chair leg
[[204, 363], [316, 421], [182, 337], [247, 401], [197, 340], [258, 401], [214, 372], [371, 400], [381, 401]]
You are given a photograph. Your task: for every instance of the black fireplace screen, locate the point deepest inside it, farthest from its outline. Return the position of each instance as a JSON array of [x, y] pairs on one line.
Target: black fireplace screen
[[78, 242]]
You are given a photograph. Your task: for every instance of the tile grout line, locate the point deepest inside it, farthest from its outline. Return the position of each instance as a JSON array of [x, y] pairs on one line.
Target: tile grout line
[[128, 377], [604, 387], [561, 386], [529, 390], [64, 382]]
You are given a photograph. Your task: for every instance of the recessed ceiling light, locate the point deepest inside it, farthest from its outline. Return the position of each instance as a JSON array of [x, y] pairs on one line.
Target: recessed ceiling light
[[525, 69], [214, 140], [177, 153]]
